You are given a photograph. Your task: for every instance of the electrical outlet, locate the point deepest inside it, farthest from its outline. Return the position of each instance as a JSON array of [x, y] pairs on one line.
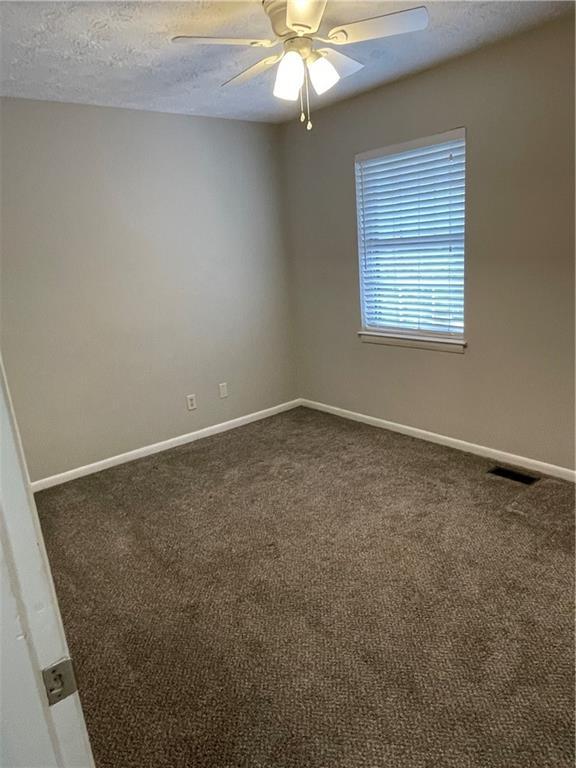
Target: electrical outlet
[[191, 402], [223, 389]]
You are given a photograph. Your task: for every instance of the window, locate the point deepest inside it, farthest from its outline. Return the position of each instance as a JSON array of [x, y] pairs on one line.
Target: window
[[411, 205]]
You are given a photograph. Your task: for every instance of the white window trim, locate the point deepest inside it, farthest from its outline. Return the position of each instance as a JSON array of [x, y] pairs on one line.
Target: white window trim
[[393, 337], [437, 343], [426, 141]]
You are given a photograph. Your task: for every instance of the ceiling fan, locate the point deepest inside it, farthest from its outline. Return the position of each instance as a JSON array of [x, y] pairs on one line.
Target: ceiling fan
[[295, 24]]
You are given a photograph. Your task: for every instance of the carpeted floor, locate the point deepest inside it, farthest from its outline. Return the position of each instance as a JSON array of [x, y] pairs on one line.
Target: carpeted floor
[[309, 592]]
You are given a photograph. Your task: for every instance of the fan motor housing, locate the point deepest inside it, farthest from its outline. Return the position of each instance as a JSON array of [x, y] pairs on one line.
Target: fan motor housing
[[276, 12]]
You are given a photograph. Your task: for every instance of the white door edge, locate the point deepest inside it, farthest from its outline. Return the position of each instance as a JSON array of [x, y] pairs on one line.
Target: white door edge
[[31, 585]]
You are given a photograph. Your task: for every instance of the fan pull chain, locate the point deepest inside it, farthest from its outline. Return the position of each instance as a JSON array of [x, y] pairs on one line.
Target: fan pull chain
[[309, 123], [305, 91]]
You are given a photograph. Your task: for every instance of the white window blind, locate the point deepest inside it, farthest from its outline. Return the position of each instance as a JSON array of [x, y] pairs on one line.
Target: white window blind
[[411, 210]]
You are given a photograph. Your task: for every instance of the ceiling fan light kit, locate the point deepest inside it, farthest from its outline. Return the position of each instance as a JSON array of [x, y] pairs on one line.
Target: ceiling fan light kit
[[295, 24]]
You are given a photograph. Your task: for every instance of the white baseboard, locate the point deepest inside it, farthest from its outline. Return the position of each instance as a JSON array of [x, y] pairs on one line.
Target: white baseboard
[[173, 442], [540, 467], [481, 450]]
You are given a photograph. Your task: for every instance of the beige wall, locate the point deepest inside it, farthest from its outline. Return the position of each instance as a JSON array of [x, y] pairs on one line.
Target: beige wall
[[513, 389], [142, 260]]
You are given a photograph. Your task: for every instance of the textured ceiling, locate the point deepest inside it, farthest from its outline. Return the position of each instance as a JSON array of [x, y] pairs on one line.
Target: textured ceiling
[[119, 54]]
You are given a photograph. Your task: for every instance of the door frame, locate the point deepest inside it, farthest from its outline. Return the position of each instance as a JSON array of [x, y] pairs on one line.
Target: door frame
[[36, 605]]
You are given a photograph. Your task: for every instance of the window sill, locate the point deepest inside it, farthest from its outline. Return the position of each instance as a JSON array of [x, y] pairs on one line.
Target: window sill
[[415, 342]]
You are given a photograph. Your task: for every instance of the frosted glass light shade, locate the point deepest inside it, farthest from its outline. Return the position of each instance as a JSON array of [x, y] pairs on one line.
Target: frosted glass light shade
[[289, 77], [322, 74]]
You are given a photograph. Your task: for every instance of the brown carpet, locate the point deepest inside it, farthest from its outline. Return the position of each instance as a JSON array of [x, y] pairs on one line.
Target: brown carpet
[[308, 592]]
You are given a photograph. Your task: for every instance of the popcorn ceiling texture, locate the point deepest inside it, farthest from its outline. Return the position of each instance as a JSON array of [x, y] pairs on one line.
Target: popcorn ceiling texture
[[119, 54]]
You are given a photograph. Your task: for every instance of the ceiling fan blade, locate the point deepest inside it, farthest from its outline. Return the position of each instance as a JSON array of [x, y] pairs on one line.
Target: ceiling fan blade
[[255, 69], [305, 15], [250, 42], [344, 65], [380, 26]]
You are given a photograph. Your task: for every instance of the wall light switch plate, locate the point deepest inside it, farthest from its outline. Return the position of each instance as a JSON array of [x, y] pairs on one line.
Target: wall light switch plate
[[191, 402], [223, 389]]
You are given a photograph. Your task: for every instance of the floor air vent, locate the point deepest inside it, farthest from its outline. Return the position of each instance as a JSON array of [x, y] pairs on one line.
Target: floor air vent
[[513, 474]]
